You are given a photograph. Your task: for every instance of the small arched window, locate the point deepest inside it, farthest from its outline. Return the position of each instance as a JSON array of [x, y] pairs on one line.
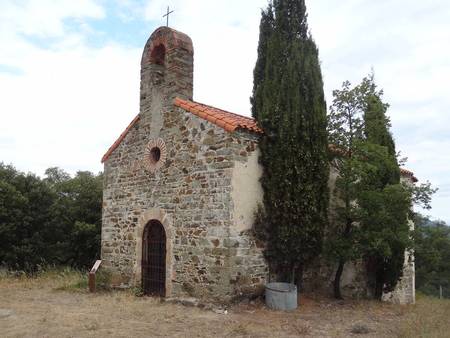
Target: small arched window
[[158, 55]]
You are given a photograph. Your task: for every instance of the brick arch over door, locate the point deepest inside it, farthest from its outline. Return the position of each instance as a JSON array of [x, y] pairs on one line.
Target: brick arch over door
[[161, 216]]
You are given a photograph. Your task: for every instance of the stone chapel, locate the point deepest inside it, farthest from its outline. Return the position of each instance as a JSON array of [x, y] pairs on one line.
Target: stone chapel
[[181, 185]]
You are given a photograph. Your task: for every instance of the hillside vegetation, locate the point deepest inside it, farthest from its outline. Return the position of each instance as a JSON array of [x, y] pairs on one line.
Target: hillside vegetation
[[51, 221], [432, 257]]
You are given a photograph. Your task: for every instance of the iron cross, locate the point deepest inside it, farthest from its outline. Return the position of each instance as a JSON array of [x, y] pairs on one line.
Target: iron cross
[[167, 15]]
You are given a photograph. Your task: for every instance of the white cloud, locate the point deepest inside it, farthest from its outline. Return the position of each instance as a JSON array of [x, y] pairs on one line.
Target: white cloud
[[405, 42], [55, 111], [45, 17], [61, 111]]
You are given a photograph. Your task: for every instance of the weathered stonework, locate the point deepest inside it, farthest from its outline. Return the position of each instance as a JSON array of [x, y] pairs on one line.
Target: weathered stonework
[[208, 253], [198, 176], [192, 196]]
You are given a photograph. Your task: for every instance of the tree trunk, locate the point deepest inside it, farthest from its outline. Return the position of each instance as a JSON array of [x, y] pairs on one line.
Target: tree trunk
[[299, 275], [379, 282], [340, 270], [337, 280], [293, 271]]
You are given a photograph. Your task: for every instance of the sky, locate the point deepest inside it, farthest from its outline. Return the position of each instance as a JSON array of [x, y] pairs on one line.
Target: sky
[[69, 72]]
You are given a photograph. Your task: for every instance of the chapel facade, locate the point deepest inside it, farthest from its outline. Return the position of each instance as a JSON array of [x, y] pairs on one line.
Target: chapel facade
[[181, 186]]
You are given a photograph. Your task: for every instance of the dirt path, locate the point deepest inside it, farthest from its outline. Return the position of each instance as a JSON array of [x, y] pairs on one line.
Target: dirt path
[[38, 310]]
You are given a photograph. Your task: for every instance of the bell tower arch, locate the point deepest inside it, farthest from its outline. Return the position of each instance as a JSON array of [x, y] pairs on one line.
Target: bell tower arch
[[167, 68]]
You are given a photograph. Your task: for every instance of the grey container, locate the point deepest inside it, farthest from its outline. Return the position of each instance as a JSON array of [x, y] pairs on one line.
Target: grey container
[[281, 296]]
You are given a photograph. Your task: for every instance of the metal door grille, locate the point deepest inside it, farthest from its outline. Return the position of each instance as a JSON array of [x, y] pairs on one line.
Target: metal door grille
[[154, 259]]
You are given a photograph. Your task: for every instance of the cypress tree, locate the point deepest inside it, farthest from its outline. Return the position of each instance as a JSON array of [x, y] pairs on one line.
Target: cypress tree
[[288, 103], [377, 130], [376, 122], [265, 31], [382, 222]]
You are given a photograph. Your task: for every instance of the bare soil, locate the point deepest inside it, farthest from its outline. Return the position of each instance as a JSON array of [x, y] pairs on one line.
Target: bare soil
[[39, 308]]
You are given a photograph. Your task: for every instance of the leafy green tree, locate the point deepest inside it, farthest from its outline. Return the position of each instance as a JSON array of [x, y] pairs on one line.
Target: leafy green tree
[[368, 186], [385, 235], [85, 244], [55, 175], [12, 208], [77, 215], [25, 212], [56, 220], [85, 191], [346, 133], [288, 103], [432, 256]]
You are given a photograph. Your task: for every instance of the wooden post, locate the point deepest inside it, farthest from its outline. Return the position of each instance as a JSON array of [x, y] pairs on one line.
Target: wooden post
[[440, 292], [92, 275]]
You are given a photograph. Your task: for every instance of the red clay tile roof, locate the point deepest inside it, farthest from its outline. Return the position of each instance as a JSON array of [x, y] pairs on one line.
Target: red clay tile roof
[[119, 140], [410, 174], [224, 119]]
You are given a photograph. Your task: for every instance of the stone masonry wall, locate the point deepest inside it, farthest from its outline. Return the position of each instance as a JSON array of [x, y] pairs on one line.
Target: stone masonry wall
[[191, 194], [405, 291], [249, 270], [193, 189]]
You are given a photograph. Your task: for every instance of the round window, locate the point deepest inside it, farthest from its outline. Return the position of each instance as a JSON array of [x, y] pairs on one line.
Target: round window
[[155, 154]]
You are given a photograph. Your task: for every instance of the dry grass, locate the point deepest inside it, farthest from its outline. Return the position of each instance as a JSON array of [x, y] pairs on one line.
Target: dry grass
[[56, 304], [429, 318], [54, 278]]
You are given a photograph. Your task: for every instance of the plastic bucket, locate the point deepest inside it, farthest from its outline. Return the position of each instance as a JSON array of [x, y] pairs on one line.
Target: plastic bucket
[[281, 296]]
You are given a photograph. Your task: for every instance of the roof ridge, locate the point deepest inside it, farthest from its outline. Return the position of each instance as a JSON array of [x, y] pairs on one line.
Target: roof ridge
[[222, 118], [226, 111], [120, 138]]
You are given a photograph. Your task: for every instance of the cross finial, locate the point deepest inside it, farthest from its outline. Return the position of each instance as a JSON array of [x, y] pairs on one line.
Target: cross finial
[[167, 15]]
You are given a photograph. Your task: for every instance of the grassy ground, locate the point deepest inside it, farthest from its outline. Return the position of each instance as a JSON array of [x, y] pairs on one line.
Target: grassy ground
[[56, 304], [430, 318]]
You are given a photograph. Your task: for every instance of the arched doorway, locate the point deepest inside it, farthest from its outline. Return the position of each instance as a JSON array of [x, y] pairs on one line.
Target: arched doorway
[[154, 259]]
